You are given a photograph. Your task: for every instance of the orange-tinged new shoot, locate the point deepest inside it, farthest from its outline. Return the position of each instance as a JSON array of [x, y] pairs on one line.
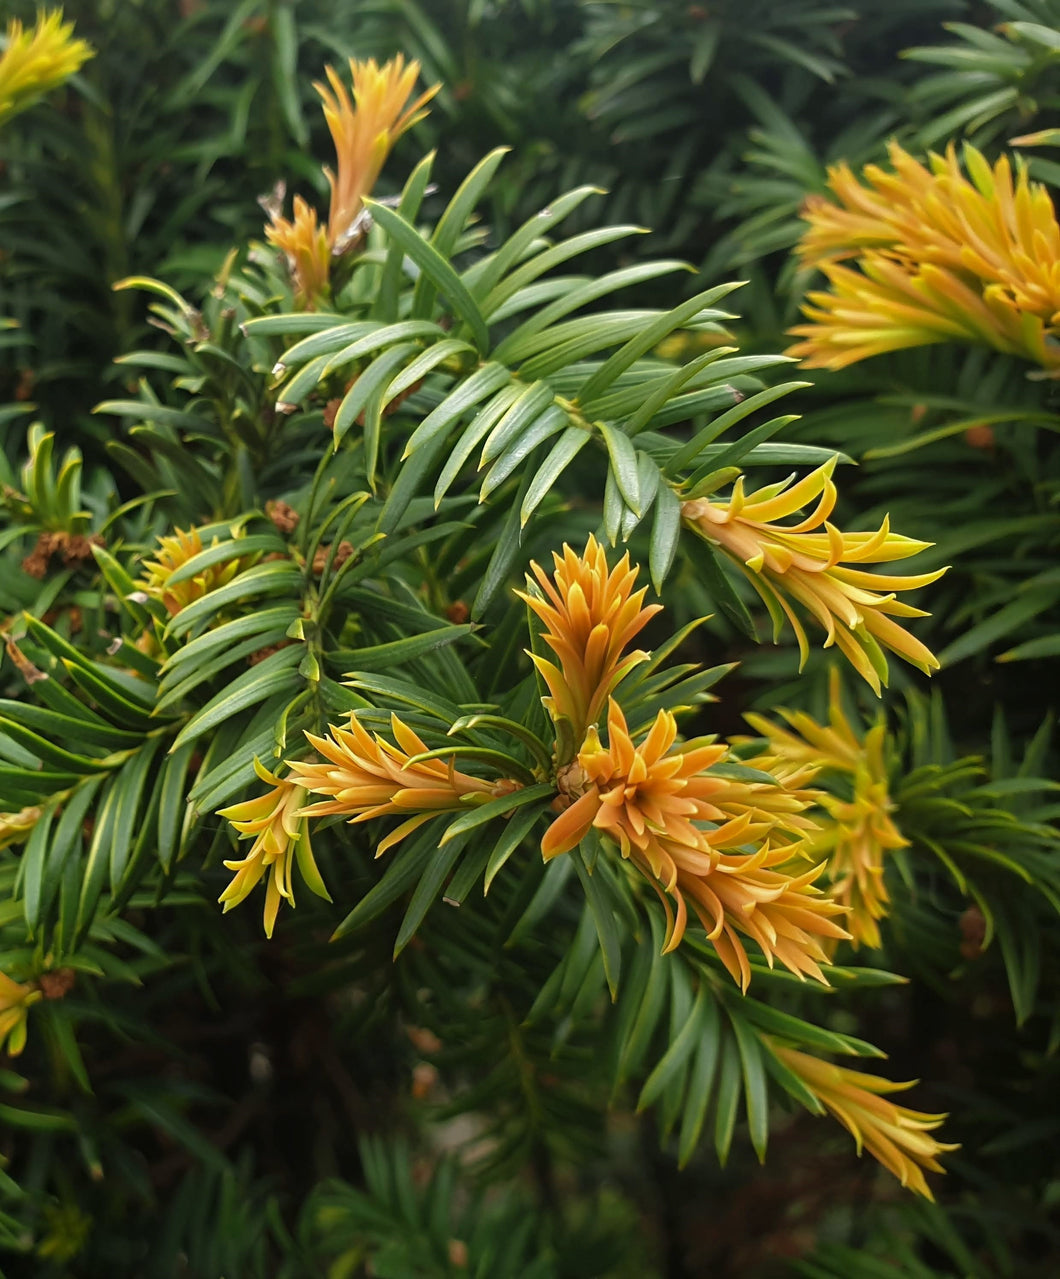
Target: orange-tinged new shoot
[[686, 830], [16, 827], [304, 243], [855, 834], [38, 60], [364, 776], [812, 563], [15, 1000], [364, 130], [591, 615], [281, 837], [936, 256], [898, 1137], [173, 553]]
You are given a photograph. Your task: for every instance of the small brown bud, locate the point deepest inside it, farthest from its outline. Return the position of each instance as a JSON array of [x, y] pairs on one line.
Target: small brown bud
[[398, 400], [35, 564], [424, 1041], [73, 547], [505, 786], [330, 411], [972, 924], [283, 516], [458, 612], [342, 553], [571, 781], [424, 1078], [267, 651], [56, 984], [76, 547]]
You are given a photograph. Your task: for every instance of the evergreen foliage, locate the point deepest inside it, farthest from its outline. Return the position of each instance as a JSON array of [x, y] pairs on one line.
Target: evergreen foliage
[[417, 562]]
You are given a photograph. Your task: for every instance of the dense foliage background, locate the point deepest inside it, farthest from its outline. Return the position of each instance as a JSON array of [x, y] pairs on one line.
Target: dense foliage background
[[196, 1101]]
